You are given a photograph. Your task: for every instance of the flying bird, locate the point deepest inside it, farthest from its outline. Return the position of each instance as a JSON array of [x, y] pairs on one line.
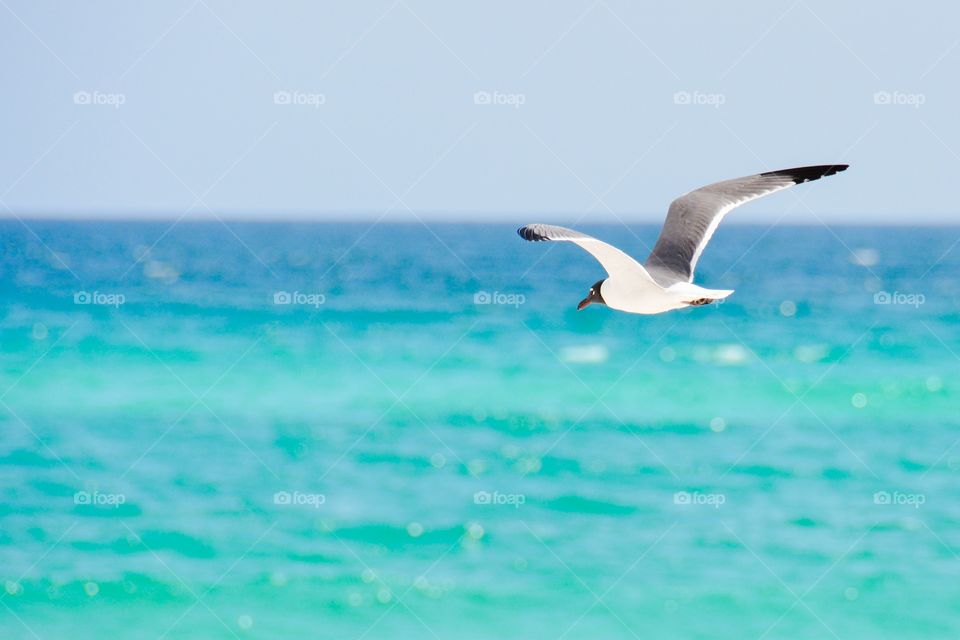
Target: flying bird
[[665, 281]]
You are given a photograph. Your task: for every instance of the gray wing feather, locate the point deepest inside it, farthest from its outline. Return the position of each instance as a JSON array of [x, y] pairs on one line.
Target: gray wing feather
[[541, 232], [693, 217]]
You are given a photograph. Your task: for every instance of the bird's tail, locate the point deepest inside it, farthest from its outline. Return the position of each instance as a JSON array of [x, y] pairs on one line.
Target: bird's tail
[[709, 296], [716, 294], [691, 293]]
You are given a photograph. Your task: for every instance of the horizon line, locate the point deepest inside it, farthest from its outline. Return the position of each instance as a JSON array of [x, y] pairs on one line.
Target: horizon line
[[437, 217]]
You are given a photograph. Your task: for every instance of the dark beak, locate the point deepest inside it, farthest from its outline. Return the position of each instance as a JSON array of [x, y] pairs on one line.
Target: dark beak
[[584, 304]]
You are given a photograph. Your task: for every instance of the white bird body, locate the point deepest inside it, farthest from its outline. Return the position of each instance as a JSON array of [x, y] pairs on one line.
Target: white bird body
[[665, 282], [624, 295]]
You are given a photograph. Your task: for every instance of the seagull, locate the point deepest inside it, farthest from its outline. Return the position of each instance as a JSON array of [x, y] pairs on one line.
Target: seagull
[[665, 281]]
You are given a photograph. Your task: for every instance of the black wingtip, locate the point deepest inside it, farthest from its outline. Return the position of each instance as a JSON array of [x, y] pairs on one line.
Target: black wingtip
[[806, 174], [527, 233]]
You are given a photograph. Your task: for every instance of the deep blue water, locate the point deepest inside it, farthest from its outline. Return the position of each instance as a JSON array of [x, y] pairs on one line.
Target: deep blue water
[[384, 457]]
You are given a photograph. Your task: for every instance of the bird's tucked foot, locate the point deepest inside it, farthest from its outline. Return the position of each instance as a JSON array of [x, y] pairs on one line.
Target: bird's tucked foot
[[699, 302]]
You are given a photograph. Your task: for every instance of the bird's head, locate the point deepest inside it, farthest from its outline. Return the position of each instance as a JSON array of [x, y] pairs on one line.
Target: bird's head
[[592, 296]]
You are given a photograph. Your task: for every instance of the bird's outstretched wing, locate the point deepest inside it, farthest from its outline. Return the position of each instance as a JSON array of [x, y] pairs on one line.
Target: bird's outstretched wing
[[694, 216], [615, 262]]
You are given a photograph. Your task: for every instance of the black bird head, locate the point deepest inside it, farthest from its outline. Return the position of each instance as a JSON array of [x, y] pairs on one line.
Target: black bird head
[[593, 296]]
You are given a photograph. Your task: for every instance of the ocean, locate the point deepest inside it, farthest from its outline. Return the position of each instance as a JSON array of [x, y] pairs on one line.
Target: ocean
[[284, 430]]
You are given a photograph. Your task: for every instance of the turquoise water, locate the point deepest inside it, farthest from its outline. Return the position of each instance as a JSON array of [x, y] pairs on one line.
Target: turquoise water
[[783, 465]]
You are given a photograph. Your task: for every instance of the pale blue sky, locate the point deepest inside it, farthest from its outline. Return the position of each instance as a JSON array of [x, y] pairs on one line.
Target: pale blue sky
[[590, 126]]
